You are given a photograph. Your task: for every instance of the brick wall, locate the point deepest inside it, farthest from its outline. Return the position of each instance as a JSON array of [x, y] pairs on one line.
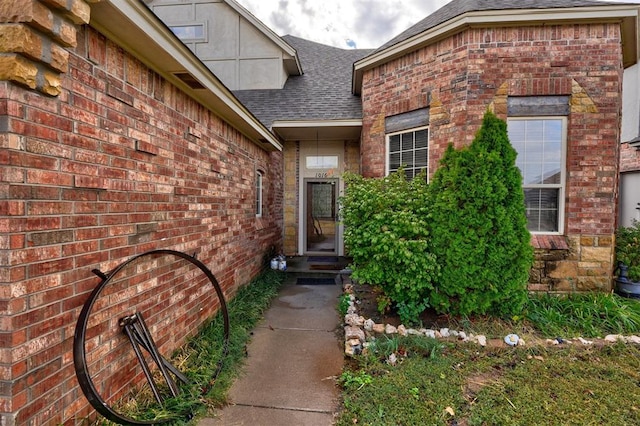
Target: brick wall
[[120, 162], [461, 76], [629, 158]]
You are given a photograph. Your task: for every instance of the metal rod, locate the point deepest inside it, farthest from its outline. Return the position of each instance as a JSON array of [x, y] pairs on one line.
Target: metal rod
[[155, 354], [127, 327]]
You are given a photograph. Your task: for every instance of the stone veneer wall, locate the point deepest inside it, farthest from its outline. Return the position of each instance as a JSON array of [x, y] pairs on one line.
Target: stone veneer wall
[[103, 159], [461, 76], [291, 197]]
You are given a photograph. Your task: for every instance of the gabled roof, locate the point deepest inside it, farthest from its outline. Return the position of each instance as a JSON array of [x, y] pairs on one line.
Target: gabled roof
[[291, 60], [321, 94], [460, 14]]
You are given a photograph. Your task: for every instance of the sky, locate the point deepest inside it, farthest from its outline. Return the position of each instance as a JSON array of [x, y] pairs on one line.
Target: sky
[[361, 24]]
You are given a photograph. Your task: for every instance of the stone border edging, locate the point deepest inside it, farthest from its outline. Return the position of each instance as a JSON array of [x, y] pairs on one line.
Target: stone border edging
[[358, 331]]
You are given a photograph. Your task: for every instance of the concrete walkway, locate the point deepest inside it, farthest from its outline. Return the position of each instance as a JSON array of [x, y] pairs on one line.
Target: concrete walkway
[[293, 360]]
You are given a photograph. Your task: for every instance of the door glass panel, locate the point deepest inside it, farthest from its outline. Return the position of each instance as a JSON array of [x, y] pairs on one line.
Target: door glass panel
[[321, 217]]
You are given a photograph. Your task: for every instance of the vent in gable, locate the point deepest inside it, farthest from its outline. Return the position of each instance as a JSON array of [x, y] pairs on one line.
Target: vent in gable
[[189, 80]]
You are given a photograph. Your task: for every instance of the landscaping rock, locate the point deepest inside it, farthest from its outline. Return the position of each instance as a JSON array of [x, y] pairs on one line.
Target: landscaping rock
[[352, 332], [353, 347], [430, 333], [389, 329], [482, 340], [354, 320], [633, 339], [612, 338], [378, 328], [402, 330], [392, 360], [368, 324]]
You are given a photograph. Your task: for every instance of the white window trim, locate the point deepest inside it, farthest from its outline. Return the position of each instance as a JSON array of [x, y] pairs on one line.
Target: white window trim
[[387, 166], [563, 171], [259, 193]]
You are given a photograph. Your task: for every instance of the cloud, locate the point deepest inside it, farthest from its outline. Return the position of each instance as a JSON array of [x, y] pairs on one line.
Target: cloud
[[362, 23]]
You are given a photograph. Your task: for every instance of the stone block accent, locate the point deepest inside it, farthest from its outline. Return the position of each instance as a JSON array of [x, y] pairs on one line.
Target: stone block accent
[[37, 34]]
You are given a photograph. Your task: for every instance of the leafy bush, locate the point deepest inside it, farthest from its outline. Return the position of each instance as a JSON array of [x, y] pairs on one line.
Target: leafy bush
[[628, 249], [479, 228], [386, 234]]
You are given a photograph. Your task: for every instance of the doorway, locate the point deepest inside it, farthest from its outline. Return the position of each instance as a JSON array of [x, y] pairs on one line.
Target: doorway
[[321, 216]]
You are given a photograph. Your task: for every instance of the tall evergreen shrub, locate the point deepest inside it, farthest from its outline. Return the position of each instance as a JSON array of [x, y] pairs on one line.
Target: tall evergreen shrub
[[478, 223], [387, 235]]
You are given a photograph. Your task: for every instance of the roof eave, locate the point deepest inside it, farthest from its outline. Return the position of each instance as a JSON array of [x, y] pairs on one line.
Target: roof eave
[[626, 14], [314, 130], [142, 34]]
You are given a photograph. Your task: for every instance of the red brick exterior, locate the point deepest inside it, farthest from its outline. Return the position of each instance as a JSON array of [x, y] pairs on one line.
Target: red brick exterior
[[461, 76], [119, 163], [629, 158]]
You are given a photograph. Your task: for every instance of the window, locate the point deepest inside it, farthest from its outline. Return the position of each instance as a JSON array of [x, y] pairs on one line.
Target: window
[[409, 150], [322, 162], [258, 194], [189, 32], [540, 143]]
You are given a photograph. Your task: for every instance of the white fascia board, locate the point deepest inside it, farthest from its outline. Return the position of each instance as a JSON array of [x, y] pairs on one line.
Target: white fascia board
[[317, 123], [480, 18], [135, 28], [286, 47]]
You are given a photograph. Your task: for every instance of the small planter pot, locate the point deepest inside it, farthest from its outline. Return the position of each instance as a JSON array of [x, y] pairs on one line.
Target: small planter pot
[[628, 288], [624, 286]]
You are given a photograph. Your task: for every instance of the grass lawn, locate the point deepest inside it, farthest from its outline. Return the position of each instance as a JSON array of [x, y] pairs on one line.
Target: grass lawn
[[453, 383]]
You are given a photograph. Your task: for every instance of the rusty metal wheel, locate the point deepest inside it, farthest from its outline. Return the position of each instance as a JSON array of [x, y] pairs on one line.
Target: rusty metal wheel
[[126, 324]]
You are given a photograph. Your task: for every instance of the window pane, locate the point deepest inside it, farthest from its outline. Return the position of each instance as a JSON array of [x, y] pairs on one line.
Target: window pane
[[394, 143], [322, 161], [421, 158], [539, 144], [189, 32], [551, 174], [532, 173], [421, 139], [407, 141], [542, 209], [407, 159], [409, 150], [394, 161], [259, 194]]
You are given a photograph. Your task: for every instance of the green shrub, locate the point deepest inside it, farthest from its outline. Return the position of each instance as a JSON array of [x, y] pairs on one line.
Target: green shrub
[[386, 234], [628, 249], [478, 223]]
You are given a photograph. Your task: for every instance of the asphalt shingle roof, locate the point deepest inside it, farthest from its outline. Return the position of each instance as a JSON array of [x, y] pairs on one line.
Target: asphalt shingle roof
[[459, 7], [323, 92]]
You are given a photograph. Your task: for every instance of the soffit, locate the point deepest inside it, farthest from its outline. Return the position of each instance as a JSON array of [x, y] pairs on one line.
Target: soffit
[[331, 130]]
